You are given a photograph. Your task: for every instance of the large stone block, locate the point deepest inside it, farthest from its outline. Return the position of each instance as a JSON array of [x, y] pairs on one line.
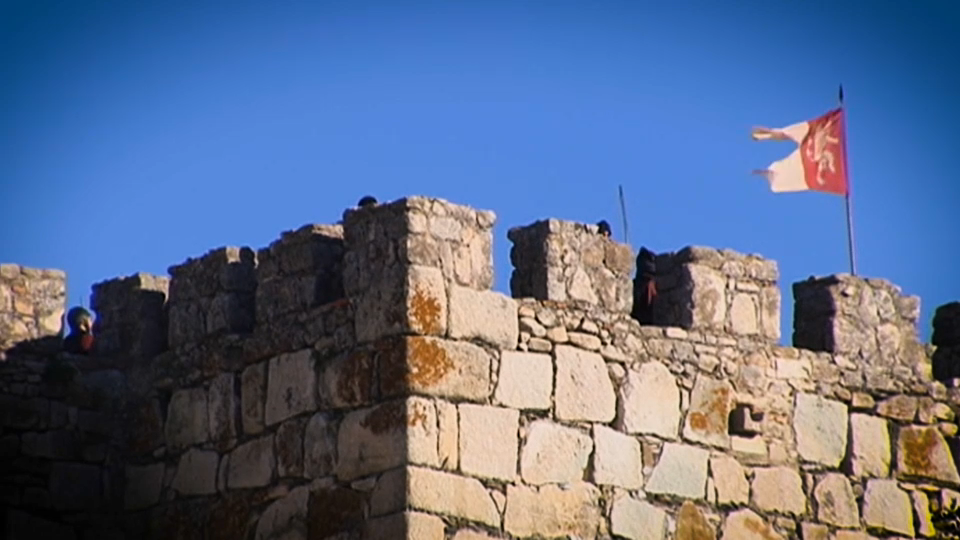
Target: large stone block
[[525, 380], [637, 520], [887, 507], [821, 429], [252, 464], [486, 316], [681, 471], [583, 391], [196, 473], [489, 441], [566, 261], [922, 452], [554, 454], [870, 446], [710, 404], [187, 422], [745, 524], [386, 436], [406, 300], [617, 459], [435, 367], [452, 495], [650, 402], [779, 489], [291, 386], [553, 511]]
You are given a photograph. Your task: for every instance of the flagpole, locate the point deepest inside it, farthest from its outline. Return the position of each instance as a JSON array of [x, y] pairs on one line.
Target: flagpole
[[846, 164]]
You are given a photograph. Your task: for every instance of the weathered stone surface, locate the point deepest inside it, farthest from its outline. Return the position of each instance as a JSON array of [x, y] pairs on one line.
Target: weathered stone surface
[[747, 525], [650, 402], [142, 485], [921, 508], [252, 464], [923, 452], [584, 391], [386, 436], [187, 418], [489, 441], [525, 381], [900, 407], [319, 447], [289, 448], [692, 525], [779, 489], [814, 531], [729, 480], [887, 507], [468, 534], [554, 454], [617, 459], [680, 471], [403, 525], [637, 520], [448, 436], [197, 473], [710, 404], [445, 493], [706, 290], [870, 446], [221, 407], [253, 397], [821, 428], [743, 315], [286, 518], [435, 367], [836, 503], [347, 380], [291, 386], [486, 316], [553, 511]]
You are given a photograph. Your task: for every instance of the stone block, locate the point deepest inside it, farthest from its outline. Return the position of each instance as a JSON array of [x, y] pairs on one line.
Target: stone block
[[583, 391], [319, 446], [485, 316], [836, 503], [779, 489], [131, 316], [435, 367], [187, 421], [565, 261], [922, 452], [291, 386], [409, 300], [252, 464], [692, 525], [285, 517], [637, 520], [221, 408], [404, 525], [553, 511], [289, 442], [489, 441], [386, 436], [617, 459], [710, 404], [525, 380], [870, 446], [448, 436], [729, 481], [196, 473], [887, 507], [681, 471], [745, 524], [650, 402], [821, 429], [553, 454], [448, 494], [253, 397], [301, 270]]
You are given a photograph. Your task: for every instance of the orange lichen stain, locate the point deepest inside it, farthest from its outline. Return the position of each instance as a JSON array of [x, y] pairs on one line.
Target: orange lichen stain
[[384, 418], [715, 413], [425, 312], [428, 362], [918, 446], [698, 421], [417, 415], [691, 525]]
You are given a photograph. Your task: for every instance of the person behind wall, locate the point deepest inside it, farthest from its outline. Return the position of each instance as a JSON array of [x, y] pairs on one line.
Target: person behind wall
[[80, 339], [645, 289]]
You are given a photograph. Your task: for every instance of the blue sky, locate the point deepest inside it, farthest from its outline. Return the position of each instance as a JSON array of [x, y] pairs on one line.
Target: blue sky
[[134, 135]]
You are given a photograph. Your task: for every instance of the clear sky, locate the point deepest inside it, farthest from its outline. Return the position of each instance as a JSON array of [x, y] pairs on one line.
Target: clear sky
[[134, 135]]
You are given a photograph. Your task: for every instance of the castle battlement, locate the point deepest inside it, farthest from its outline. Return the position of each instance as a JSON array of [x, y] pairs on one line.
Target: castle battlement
[[363, 380]]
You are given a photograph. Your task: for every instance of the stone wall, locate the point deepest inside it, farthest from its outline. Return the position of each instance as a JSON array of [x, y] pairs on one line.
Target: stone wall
[[362, 381]]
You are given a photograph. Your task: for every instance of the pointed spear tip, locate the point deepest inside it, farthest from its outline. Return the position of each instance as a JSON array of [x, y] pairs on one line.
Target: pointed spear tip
[[841, 93]]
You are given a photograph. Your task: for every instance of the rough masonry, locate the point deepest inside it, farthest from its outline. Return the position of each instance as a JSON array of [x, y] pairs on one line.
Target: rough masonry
[[363, 381]]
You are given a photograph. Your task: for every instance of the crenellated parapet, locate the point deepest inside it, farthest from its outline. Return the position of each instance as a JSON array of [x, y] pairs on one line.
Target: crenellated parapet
[[362, 380], [31, 303]]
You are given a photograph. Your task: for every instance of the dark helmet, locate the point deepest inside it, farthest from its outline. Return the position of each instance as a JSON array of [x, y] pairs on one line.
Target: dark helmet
[[367, 200], [604, 227]]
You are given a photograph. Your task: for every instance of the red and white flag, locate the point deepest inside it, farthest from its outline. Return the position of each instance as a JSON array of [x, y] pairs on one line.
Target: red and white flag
[[819, 162]]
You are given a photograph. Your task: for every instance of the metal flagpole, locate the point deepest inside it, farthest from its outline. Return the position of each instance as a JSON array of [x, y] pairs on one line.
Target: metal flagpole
[[623, 216], [846, 165]]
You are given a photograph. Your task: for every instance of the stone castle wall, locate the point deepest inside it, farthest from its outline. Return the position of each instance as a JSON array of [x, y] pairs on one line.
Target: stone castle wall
[[362, 381]]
